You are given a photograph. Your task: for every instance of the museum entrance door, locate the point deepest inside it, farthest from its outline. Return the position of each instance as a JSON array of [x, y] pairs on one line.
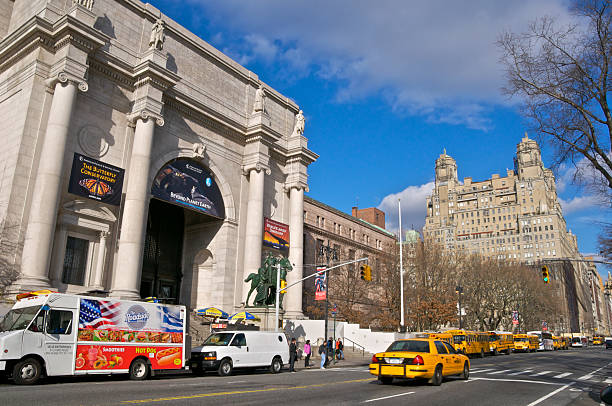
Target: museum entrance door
[[163, 252]]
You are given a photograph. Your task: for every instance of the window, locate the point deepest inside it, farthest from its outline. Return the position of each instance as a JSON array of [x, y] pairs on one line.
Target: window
[[75, 261], [239, 340], [440, 347], [59, 322]]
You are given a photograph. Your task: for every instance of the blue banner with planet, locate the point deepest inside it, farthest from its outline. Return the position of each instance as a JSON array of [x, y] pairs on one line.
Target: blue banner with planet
[[188, 184]]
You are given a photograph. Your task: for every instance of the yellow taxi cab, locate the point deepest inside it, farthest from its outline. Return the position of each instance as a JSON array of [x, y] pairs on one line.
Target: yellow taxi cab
[[419, 358], [598, 340], [556, 342]]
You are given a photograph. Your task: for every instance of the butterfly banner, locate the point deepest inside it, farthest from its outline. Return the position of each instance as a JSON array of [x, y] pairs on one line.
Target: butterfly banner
[[96, 180]]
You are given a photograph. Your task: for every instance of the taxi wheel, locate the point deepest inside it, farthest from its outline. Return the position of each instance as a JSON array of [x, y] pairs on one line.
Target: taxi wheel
[[436, 380], [466, 372], [385, 380]]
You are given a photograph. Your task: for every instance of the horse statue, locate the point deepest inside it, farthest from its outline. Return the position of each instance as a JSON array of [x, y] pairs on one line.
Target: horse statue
[[264, 281]]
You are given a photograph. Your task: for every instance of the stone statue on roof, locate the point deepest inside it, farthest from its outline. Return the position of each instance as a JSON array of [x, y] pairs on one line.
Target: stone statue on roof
[[260, 100], [156, 41], [300, 123]]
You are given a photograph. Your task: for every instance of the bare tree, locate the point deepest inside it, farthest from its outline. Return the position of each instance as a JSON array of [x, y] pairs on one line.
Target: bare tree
[[9, 270], [605, 241], [561, 75]]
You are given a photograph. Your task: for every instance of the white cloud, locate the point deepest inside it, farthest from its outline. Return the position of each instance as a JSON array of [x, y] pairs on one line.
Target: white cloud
[[434, 58], [413, 200], [579, 203]]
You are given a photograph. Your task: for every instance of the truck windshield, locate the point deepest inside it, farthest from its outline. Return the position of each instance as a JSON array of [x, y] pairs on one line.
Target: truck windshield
[[219, 339], [18, 319]]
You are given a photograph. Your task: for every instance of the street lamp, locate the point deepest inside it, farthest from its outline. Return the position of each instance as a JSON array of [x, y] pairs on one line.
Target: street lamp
[[459, 291], [329, 254]]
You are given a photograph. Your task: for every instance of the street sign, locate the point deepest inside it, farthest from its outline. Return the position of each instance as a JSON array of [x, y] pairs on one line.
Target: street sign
[[334, 310], [544, 326], [515, 317]]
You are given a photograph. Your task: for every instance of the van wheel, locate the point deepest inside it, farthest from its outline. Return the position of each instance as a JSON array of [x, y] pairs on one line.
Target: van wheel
[[276, 365], [139, 370], [481, 353], [436, 379], [466, 372], [27, 372], [225, 368]]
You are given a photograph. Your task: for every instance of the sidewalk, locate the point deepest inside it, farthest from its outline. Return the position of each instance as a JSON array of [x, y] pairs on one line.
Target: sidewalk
[[315, 363]]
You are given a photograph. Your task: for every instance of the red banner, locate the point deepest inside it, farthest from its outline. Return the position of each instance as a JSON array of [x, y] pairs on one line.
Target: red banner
[[321, 284], [99, 357], [276, 235]]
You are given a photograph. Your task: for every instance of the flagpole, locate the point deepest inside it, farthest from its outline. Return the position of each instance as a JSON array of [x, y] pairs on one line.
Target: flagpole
[[278, 268], [399, 207]]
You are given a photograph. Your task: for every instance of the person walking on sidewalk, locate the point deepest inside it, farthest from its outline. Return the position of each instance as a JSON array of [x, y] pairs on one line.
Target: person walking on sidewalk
[[292, 355], [322, 350], [339, 349], [330, 350], [307, 352]]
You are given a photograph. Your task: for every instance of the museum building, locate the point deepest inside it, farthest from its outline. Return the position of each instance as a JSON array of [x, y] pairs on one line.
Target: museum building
[[137, 159]]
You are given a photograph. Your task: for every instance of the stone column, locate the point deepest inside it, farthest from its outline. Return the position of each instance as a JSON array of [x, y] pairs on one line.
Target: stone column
[[128, 269], [99, 271], [57, 268], [47, 193], [296, 252], [254, 225]]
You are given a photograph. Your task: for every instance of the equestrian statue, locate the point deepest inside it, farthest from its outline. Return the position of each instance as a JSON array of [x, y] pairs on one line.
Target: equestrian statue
[[264, 281]]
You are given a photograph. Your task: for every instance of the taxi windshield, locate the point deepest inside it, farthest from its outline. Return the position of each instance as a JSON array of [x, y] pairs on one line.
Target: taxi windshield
[[18, 319], [219, 339], [410, 346]]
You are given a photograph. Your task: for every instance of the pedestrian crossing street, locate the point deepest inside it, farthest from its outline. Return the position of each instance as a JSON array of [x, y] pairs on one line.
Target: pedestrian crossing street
[[541, 374]]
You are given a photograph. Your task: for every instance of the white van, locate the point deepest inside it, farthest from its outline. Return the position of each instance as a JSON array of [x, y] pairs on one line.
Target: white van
[[224, 351]]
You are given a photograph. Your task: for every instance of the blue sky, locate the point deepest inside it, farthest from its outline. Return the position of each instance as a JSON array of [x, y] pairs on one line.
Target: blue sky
[[385, 86]]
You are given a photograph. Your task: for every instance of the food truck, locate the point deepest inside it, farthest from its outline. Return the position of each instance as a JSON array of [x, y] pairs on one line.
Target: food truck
[[54, 334]]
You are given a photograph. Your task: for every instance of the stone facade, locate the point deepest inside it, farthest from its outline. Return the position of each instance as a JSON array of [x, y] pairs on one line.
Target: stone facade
[[353, 238], [82, 77]]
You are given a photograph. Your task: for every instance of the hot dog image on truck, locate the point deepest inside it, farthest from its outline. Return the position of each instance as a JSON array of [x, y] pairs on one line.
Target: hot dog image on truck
[[56, 334]]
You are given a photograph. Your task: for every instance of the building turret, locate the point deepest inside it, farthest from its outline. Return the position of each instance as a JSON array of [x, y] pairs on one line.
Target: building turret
[[528, 161], [446, 171]]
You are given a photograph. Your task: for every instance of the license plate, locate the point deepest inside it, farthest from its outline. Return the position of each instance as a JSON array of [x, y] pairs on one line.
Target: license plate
[[395, 360]]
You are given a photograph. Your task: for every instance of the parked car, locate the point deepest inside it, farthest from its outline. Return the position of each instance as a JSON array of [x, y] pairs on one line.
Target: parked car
[[608, 342], [228, 350]]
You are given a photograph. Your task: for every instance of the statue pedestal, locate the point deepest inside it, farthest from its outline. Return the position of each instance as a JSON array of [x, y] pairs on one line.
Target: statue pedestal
[[267, 316]]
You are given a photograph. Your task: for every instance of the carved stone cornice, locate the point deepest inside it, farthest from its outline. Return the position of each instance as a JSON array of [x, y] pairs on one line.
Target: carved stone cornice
[[150, 73], [145, 115]]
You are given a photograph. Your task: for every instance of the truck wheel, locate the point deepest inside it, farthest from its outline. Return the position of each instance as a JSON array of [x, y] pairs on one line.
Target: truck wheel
[[27, 372], [225, 368], [139, 370], [276, 365]]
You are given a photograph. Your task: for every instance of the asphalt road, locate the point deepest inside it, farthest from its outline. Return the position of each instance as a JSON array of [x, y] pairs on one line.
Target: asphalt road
[[572, 377]]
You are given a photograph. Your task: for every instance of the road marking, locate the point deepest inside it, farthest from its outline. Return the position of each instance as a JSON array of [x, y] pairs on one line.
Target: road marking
[[542, 373], [520, 372], [239, 392], [563, 375], [543, 398], [585, 377], [514, 380], [499, 372], [236, 382], [481, 371], [388, 397], [608, 381]]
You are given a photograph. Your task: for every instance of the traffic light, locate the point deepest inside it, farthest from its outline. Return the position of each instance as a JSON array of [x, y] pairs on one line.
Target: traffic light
[[366, 272], [545, 274], [283, 285]]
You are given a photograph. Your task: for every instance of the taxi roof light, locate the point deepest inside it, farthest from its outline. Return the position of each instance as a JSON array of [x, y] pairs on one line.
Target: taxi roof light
[[418, 360]]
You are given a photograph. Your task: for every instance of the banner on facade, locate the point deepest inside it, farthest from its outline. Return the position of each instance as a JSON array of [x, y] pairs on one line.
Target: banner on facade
[[96, 180], [515, 317], [188, 184], [321, 284], [276, 235]]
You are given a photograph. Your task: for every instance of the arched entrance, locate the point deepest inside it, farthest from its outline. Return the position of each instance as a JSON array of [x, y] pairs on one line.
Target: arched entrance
[[162, 259], [184, 194]]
